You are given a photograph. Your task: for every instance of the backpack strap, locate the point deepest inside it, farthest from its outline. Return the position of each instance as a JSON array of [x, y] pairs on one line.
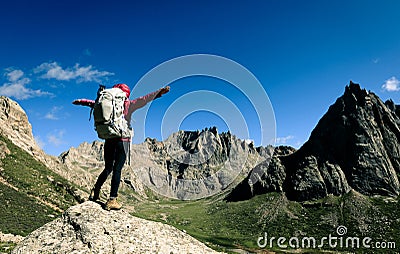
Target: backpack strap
[[101, 88], [90, 114]]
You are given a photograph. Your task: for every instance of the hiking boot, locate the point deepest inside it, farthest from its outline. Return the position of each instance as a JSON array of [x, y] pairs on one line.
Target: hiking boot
[[94, 195], [112, 204]]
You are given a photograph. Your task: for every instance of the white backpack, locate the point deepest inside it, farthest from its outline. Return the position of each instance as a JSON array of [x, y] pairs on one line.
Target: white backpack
[[108, 114]]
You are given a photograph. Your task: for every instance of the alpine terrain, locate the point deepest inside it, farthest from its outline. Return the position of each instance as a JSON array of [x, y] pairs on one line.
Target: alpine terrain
[[213, 187]]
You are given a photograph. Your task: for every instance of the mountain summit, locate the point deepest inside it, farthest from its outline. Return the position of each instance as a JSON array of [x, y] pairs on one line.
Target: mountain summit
[[355, 145]]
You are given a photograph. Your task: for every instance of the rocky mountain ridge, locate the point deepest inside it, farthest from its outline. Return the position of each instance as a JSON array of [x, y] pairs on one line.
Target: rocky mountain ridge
[[188, 165], [355, 145]]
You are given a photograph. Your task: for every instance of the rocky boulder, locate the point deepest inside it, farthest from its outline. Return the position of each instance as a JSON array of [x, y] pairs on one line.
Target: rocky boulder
[[87, 228]]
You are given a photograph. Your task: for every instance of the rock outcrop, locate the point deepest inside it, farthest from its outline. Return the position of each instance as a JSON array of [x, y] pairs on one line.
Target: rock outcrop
[[87, 228], [16, 127], [268, 176], [355, 145]]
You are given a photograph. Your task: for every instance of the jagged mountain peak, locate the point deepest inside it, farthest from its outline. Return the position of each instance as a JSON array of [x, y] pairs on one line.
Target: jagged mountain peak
[[355, 145], [355, 89]]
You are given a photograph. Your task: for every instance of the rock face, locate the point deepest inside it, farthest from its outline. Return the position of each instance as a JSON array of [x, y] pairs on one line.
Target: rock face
[[268, 176], [355, 145], [196, 164], [87, 228], [16, 127]]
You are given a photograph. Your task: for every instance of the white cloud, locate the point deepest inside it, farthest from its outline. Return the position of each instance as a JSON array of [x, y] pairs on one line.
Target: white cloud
[[391, 85], [16, 83], [16, 86], [53, 70], [284, 140], [14, 75], [56, 138], [78, 73], [53, 113]]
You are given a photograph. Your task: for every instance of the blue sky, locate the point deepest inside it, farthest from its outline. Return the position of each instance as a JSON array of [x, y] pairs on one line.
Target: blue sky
[[302, 52]]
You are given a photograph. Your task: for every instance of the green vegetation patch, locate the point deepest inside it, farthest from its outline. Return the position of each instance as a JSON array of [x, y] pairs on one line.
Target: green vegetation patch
[[6, 247], [36, 196], [219, 224], [32, 177], [229, 225], [21, 214]]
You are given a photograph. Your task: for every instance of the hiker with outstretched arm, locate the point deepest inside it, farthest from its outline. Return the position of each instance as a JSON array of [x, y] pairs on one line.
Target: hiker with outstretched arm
[[117, 132]]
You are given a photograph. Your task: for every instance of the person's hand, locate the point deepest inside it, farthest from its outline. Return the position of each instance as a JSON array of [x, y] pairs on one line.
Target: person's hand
[[76, 102], [162, 91]]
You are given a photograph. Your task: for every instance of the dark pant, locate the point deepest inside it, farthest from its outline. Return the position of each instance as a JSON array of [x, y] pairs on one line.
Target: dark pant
[[115, 153]]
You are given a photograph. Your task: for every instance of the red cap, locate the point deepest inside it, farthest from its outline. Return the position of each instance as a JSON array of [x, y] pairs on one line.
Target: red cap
[[124, 88]]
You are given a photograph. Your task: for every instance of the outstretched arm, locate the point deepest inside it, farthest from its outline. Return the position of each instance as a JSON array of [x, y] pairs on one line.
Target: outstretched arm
[[84, 102], [142, 101]]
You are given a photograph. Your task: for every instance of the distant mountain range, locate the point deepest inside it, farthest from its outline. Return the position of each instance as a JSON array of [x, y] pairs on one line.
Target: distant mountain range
[[355, 146]]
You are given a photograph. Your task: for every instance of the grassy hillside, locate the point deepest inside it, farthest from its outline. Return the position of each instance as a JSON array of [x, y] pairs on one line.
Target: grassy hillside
[[227, 226], [30, 193]]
